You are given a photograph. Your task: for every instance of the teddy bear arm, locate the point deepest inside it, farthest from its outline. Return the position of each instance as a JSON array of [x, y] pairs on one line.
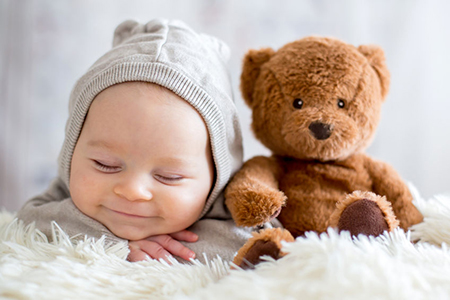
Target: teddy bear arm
[[387, 182], [252, 196]]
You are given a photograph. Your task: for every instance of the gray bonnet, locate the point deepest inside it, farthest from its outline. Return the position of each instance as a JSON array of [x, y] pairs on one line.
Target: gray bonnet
[[191, 65]]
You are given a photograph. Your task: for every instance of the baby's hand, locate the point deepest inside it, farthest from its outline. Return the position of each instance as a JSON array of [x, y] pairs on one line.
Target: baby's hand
[[162, 246]]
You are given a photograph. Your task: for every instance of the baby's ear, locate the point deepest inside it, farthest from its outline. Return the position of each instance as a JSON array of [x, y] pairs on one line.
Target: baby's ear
[[375, 56], [253, 61]]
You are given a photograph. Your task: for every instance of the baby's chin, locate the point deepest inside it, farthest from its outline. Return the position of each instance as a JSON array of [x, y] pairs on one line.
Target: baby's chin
[[133, 233]]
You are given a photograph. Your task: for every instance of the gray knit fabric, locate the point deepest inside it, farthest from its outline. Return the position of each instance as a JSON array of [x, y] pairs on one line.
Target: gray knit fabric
[[191, 65]]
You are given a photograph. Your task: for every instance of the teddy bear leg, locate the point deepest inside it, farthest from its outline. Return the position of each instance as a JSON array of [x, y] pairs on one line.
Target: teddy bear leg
[[364, 213], [266, 242]]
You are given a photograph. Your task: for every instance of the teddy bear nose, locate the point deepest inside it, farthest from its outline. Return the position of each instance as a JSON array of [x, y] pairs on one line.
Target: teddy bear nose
[[320, 130]]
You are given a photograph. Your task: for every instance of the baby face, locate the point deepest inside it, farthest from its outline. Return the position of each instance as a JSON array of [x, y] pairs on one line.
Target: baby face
[[142, 165]]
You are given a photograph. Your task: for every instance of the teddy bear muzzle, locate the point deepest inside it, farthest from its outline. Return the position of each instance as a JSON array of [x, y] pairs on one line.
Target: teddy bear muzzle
[[320, 131]]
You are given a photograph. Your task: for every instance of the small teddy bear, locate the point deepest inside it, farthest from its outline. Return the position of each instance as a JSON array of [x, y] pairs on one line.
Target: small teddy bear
[[315, 104]]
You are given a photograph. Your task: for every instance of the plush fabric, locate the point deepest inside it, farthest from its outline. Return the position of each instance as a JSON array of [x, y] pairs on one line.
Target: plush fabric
[[329, 266], [315, 105]]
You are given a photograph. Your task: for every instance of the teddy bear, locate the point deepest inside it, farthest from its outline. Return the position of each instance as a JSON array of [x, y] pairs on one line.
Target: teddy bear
[[315, 104]]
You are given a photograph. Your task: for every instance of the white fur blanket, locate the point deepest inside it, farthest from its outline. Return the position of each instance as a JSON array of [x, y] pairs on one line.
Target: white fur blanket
[[329, 266]]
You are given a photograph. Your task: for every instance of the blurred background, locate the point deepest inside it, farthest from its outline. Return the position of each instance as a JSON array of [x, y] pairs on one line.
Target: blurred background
[[46, 45]]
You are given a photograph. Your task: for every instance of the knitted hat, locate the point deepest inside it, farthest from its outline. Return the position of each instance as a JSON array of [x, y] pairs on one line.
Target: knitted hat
[[189, 64]]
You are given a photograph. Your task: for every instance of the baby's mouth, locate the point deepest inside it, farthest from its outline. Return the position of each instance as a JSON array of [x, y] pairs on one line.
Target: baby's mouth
[[128, 214]]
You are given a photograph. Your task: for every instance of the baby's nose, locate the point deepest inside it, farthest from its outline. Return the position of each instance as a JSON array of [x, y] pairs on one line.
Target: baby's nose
[[134, 189]]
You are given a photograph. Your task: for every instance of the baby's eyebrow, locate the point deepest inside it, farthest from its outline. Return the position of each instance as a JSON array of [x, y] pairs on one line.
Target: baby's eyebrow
[[101, 144], [178, 161], [181, 161]]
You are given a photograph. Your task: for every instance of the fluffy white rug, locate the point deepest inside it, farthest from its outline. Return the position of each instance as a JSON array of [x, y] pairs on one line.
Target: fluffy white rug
[[329, 266]]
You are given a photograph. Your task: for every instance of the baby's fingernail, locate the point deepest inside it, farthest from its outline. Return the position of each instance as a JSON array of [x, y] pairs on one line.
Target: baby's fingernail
[[191, 255]]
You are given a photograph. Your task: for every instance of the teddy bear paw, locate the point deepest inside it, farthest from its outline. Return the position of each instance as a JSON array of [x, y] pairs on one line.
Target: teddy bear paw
[[260, 248], [255, 205], [363, 217], [364, 213], [264, 243]]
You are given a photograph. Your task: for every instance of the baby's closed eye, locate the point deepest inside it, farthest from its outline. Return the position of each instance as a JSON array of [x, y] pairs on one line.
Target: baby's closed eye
[[168, 178], [105, 167]]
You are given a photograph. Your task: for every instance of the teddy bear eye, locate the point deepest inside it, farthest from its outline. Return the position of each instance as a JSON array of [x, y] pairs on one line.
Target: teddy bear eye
[[341, 103], [298, 103]]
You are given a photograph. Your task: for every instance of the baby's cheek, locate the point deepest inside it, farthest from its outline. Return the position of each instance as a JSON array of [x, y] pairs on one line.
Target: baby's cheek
[[196, 205], [85, 191], [186, 208]]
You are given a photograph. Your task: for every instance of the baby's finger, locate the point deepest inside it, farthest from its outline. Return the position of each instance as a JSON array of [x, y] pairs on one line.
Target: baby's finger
[[185, 235], [173, 246], [154, 249], [136, 255]]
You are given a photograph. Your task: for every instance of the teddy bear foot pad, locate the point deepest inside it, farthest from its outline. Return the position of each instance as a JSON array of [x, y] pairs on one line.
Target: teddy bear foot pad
[[260, 248], [363, 217]]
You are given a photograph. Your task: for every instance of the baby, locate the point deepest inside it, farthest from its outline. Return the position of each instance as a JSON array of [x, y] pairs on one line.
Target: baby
[[151, 141]]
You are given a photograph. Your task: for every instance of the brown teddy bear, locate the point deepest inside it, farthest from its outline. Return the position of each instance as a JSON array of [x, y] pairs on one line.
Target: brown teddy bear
[[316, 104]]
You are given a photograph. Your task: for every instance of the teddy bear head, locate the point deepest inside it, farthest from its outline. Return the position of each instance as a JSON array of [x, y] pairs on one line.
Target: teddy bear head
[[316, 98]]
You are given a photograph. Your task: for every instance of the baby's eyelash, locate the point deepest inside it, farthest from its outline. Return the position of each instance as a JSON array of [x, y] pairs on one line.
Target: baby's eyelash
[[106, 168], [168, 179]]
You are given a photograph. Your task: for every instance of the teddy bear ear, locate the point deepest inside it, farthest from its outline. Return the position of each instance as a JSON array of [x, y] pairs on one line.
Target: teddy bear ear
[[253, 61], [375, 56]]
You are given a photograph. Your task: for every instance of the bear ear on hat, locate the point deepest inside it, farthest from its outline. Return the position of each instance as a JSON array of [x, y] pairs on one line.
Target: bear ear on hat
[[376, 58], [253, 61], [124, 31]]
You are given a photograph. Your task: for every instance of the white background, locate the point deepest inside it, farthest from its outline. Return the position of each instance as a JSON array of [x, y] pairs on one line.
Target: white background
[[46, 45]]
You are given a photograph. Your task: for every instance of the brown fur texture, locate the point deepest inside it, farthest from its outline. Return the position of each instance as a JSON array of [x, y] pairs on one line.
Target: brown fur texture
[[276, 235], [316, 104]]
